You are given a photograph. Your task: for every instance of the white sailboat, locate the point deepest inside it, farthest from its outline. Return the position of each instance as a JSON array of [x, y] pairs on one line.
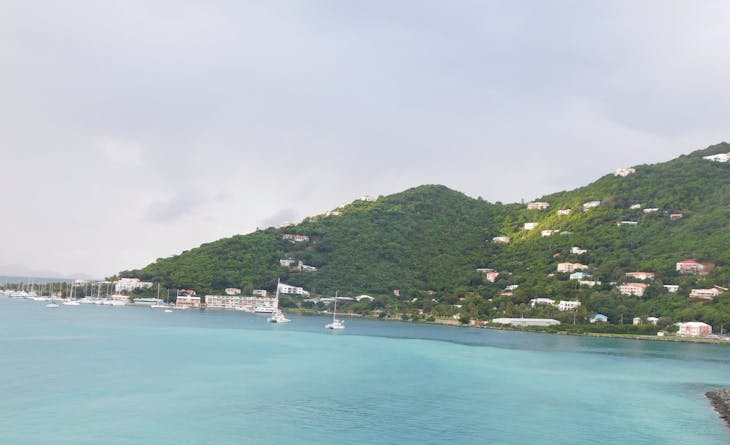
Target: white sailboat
[[277, 316], [336, 324]]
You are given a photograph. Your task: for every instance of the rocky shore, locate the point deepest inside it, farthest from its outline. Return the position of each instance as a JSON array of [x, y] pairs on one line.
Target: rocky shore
[[720, 399]]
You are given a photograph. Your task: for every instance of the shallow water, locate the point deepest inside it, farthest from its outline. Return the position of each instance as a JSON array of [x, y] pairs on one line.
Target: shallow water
[[126, 375]]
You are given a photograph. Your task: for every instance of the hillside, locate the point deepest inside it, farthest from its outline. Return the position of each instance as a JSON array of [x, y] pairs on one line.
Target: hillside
[[430, 240]]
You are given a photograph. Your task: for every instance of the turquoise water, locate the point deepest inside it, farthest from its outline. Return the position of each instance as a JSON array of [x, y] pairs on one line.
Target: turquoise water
[[122, 375]]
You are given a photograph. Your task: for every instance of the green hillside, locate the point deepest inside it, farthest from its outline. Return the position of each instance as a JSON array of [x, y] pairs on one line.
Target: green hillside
[[427, 242]]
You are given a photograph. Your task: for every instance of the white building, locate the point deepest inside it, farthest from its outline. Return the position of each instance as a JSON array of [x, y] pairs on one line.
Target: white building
[[571, 267], [295, 238], [233, 291], [292, 290], [563, 212], [625, 171], [652, 320], [130, 284], [671, 288], [640, 275], [530, 225], [704, 294], [535, 301], [650, 210], [526, 321], [720, 157], [591, 205], [568, 305], [537, 205], [575, 250], [187, 301], [635, 206], [259, 293], [578, 276], [548, 232], [501, 240]]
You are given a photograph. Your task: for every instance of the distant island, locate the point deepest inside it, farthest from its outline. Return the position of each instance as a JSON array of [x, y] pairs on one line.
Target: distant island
[[637, 251]]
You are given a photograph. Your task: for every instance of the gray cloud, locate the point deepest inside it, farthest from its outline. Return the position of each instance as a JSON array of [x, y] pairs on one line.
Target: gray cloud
[[134, 118]]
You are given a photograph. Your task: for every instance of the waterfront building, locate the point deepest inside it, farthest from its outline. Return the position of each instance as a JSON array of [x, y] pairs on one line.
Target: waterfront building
[[526, 321], [694, 329], [233, 291], [187, 301]]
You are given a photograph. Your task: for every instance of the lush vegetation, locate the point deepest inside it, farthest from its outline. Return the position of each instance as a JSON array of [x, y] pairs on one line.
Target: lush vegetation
[[427, 242]]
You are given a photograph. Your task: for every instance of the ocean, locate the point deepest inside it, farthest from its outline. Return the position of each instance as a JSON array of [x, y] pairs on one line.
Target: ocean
[[135, 375]]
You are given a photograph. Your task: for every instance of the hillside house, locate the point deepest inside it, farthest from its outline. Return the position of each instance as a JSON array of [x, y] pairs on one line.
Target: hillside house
[[568, 305], [501, 240], [295, 238], [636, 321], [529, 225], [589, 283], [292, 290], [579, 276], [675, 216], [671, 288], [598, 318], [636, 289], [720, 157], [130, 284], [233, 291], [575, 250], [624, 171], [640, 275], [535, 301], [259, 293], [491, 276], [538, 205], [563, 212], [590, 205], [287, 262], [571, 267], [627, 223], [691, 267], [635, 206], [650, 210], [694, 329], [548, 232], [704, 294]]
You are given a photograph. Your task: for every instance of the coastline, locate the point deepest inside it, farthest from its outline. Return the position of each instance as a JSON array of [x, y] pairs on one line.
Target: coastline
[[720, 400]]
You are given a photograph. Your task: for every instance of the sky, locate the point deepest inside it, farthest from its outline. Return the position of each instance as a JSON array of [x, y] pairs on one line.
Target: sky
[[131, 131]]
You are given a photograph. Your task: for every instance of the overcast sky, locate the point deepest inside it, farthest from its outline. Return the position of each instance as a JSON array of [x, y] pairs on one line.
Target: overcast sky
[[134, 130]]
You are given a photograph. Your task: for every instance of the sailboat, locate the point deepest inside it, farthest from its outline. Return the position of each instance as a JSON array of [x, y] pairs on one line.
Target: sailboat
[[336, 324], [277, 316]]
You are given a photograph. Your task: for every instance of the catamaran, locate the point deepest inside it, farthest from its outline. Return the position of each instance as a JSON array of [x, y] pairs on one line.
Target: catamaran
[[277, 316], [336, 324]]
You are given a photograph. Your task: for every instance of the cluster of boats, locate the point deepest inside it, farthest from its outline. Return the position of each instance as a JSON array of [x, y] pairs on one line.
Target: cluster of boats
[[277, 316]]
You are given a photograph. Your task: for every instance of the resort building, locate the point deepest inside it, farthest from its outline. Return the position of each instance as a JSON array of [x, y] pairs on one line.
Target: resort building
[[640, 275], [704, 294], [130, 284], [694, 329], [636, 289], [571, 267], [185, 301], [537, 205]]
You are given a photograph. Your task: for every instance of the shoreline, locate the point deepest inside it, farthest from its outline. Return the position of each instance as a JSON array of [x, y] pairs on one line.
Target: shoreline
[[720, 400]]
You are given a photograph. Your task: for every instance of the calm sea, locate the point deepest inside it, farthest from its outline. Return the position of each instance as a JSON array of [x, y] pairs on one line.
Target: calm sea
[[124, 375]]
